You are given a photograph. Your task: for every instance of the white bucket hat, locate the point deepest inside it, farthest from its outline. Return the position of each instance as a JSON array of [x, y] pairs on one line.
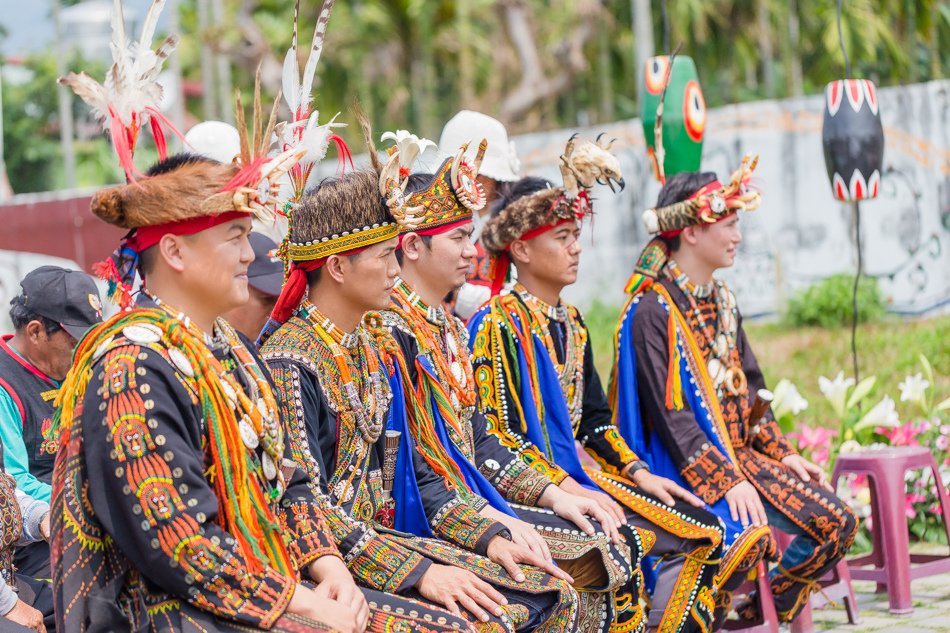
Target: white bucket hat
[[501, 160]]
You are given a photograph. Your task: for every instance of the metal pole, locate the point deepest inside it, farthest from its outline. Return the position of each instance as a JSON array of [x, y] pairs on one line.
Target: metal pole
[[178, 104], [65, 107], [6, 190], [207, 68], [642, 16]]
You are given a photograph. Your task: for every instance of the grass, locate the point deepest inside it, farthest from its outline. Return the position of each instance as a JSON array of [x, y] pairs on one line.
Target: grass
[[888, 349]]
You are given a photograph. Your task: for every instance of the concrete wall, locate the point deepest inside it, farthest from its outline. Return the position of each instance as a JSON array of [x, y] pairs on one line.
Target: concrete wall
[[800, 234]]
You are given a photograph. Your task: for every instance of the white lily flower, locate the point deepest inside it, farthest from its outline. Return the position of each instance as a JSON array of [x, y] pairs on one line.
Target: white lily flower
[[408, 144], [850, 446], [836, 391], [914, 388], [787, 399], [884, 413]]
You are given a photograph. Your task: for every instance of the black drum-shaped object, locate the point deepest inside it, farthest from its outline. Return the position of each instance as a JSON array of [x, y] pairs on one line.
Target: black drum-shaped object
[[853, 139]]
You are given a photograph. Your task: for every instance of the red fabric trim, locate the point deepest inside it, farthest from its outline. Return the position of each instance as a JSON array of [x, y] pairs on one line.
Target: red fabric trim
[[713, 186], [444, 228], [16, 401], [148, 236], [26, 364]]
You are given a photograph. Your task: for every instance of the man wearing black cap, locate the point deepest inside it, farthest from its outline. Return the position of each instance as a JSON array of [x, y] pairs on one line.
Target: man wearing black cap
[[54, 310], [265, 276]]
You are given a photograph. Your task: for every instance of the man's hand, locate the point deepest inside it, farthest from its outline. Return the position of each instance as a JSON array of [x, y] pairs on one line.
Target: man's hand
[[745, 505], [508, 555], [335, 582], [44, 527], [663, 489], [452, 586], [336, 615], [27, 616], [521, 533], [576, 509], [806, 471], [606, 503]]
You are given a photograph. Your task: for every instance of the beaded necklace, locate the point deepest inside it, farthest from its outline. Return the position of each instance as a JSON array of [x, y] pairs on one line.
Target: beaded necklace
[[350, 373], [255, 408], [440, 338], [722, 363], [571, 371]]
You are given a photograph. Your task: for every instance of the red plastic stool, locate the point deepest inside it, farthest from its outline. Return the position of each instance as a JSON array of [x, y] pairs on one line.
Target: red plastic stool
[[893, 566], [835, 585], [769, 623]]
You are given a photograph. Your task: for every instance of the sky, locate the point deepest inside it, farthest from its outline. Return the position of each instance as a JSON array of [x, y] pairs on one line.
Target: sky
[[29, 24]]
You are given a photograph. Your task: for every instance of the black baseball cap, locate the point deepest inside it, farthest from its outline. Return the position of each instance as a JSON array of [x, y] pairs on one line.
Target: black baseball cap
[[68, 297], [266, 272]]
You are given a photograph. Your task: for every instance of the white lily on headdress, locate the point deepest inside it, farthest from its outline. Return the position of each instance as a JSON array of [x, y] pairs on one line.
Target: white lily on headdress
[[409, 146]]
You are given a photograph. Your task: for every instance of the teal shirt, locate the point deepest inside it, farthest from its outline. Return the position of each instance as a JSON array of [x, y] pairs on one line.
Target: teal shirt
[[15, 459]]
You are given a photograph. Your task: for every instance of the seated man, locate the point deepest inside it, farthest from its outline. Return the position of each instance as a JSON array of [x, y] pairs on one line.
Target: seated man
[[23, 519], [265, 276], [538, 386], [432, 370], [54, 309], [333, 390], [681, 323], [174, 504]]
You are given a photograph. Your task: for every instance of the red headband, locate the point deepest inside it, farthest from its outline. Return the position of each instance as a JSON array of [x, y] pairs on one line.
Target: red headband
[[502, 262], [713, 186], [146, 237]]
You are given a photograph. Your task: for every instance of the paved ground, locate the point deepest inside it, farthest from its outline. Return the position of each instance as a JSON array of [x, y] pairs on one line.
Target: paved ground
[[931, 610]]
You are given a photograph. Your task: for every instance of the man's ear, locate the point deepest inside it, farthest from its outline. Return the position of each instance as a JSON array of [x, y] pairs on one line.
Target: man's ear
[[689, 235], [412, 244], [170, 250], [334, 267], [35, 331], [520, 253]]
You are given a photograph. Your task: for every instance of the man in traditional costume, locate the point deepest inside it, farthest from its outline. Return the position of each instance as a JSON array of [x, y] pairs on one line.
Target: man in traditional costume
[[499, 169], [432, 370], [322, 351], [686, 385], [52, 312], [539, 389]]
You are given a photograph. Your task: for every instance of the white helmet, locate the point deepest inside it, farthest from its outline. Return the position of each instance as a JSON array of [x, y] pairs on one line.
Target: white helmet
[[501, 160]]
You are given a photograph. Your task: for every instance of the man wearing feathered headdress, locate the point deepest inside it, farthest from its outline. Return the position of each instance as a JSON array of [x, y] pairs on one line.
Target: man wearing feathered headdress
[[536, 380], [688, 394], [432, 369], [323, 352]]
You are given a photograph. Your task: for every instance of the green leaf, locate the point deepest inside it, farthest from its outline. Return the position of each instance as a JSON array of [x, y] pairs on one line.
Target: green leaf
[[943, 406], [928, 368], [861, 390]]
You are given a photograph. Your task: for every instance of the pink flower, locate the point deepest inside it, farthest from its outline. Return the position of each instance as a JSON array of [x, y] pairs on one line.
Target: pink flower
[[814, 437], [936, 509], [903, 435], [821, 456], [943, 442], [909, 504]]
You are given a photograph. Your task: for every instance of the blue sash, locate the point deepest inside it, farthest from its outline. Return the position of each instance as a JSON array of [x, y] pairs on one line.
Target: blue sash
[[410, 513], [630, 424]]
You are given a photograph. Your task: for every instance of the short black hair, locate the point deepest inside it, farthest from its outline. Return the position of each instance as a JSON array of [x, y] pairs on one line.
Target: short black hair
[[175, 161], [679, 187], [508, 192], [418, 182], [22, 316]]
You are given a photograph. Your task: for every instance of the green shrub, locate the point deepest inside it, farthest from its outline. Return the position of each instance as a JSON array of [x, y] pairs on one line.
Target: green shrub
[[828, 302]]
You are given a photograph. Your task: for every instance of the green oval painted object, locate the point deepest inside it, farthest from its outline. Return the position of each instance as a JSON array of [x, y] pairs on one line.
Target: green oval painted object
[[684, 114]]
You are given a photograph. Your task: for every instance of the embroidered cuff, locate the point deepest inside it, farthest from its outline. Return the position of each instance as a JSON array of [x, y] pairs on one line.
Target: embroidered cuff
[[459, 523], [710, 474], [768, 439], [516, 481], [310, 535]]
